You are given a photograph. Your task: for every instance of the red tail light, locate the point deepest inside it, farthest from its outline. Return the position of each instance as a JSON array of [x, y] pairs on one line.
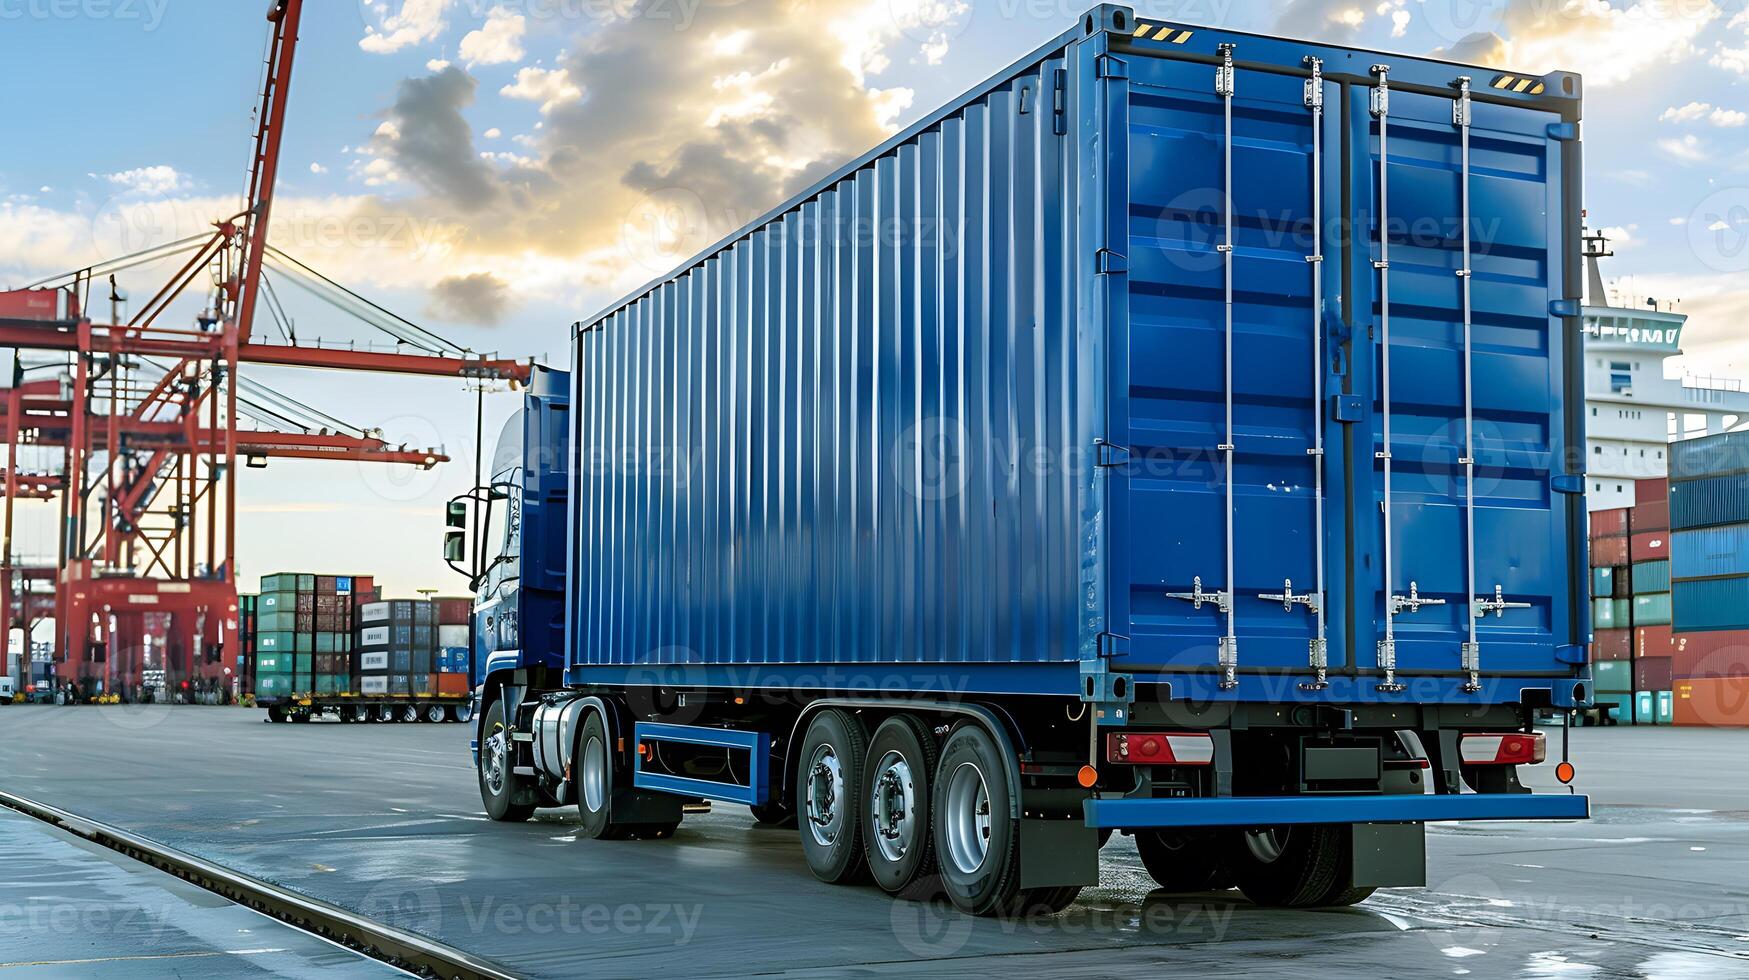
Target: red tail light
[[1503, 749], [1160, 748]]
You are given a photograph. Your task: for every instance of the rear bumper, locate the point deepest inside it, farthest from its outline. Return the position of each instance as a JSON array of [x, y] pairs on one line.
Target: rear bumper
[[1262, 811]]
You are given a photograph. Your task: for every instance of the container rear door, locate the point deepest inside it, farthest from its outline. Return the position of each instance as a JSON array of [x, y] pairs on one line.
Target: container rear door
[[1178, 387], [1504, 558]]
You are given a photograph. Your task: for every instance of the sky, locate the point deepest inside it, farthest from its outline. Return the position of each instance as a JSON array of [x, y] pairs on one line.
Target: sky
[[497, 169]]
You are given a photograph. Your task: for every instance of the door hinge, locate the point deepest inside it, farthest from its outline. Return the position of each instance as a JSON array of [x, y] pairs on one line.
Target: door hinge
[[1570, 653], [1567, 483], [1060, 101], [1563, 131], [1110, 453], [1109, 66], [1109, 262], [1564, 307]]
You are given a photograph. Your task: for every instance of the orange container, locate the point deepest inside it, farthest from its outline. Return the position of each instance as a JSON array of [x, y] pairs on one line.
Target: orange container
[[1615, 644], [1610, 551], [452, 683], [1712, 702]]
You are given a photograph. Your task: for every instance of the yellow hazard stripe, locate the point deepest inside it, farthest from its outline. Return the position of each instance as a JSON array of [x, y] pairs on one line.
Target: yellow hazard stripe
[[1519, 83], [1162, 32]]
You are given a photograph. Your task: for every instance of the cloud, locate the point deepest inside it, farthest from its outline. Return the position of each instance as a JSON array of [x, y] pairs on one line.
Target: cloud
[[480, 298], [436, 65], [317, 168], [1607, 43], [493, 133], [550, 87], [155, 180], [1688, 149], [425, 138], [416, 22], [1734, 59], [1693, 111], [499, 41]]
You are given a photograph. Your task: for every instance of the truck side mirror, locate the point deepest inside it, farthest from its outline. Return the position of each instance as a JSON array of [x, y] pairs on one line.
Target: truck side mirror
[[457, 514], [455, 546]]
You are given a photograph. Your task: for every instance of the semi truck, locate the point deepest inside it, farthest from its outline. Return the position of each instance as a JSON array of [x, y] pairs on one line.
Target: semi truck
[[1179, 435]]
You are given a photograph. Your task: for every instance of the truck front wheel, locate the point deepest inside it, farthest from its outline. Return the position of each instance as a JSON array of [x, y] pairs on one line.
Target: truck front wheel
[[1296, 866], [497, 770], [597, 778]]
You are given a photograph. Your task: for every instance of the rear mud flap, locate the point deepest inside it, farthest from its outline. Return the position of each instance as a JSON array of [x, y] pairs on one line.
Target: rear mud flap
[[1058, 852], [1388, 855]]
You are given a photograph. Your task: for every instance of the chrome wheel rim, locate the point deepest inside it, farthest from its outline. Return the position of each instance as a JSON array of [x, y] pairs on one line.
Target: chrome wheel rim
[[967, 818], [893, 805], [825, 796], [594, 774], [1266, 845], [494, 761]]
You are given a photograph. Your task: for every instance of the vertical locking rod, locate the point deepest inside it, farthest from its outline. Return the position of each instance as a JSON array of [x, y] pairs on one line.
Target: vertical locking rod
[[1472, 649], [1381, 110], [1319, 655], [1224, 85]]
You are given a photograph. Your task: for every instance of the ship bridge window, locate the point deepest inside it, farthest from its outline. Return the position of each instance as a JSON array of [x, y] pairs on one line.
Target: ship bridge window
[[1621, 376]]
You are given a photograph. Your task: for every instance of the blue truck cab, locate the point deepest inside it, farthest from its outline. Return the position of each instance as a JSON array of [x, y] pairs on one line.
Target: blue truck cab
[[1177, 435]]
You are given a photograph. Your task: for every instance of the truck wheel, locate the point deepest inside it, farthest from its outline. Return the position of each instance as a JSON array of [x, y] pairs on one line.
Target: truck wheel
[[895, 812], [409, 713], [1183, 860], [1296, 866], [828, 787], [464, 713], [435, 713], [977, 841], [275, 713], [359, 713], [301, 717], [385, 713], [594, 770], [497, 776]]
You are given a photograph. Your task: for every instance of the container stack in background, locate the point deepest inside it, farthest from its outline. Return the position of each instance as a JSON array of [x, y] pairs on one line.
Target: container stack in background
[[1649, 552], [396, 648], [1709, 518], [303, 634], [454, 651], [246, 642], [1612, 634]]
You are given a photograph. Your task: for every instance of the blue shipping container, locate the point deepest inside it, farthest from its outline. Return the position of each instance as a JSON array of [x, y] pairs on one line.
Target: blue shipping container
[[1709, 501], [1727, 452], [1711, 604], [1710, 551], [972, 410]]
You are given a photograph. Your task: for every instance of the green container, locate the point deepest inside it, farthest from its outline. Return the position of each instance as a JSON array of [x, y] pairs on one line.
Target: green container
[[1652, 610], [1645, 707], [273, 685], [333, 684], [1623, 702], [1666, 707], [1614, 677], [273, 663], [306, 583], [271, 602], [281, 619], [306, 642], [1610, 614], [1651, 577], [1603, 582], [328, 643], [280, 582], [276, 641]]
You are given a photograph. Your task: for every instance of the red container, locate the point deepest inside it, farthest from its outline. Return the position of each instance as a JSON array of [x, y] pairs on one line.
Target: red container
[[1609, 551], [1612, 645], [1605, 523], [1721, 653], [1716, 702], [1651, 516], [1654, 641], [1651, 492], [452, 611], [1650, 546], [1653, 674], [325, 585], [306, 602]]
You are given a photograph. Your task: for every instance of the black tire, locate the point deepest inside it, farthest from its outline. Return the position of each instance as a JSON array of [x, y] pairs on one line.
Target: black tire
[[1296, 866], [434, 713], [275, 713], [409, 713], [829, 797], [594, 786], [901, 762], [1046, 901], [1183, 860], [300, 717], [463, 713], [977, 840], [497, 779]]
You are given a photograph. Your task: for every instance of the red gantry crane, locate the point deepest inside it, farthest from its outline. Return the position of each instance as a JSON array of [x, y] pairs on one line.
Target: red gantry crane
[[146, 420]]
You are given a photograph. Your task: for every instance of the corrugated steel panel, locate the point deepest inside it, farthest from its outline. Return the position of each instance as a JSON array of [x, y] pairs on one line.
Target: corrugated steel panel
[[1651, 492], [1711, 604], [1722, 653], [1609, 552], [1652, 674], [1652, 610], [1612, 644], [1654, 641], [991, 434], [1609, 523], [1710, 551], [1614, 676], [1649, 545], [1709, 456], [1651, 576], [1716, 702], [1651, 515], [1709, 501]]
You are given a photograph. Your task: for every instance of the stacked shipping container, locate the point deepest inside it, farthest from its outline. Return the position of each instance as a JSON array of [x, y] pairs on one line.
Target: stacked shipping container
[[454, 649], [1649, 551], [1612, 643], [302, 634], [397, 645], [1709, 517]]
